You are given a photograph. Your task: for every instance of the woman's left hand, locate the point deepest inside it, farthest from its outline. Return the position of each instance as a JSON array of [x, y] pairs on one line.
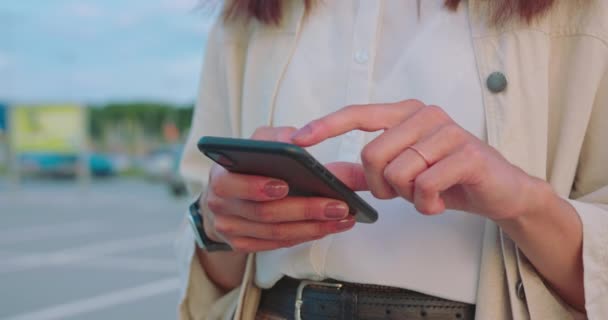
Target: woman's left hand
[[428, 159]]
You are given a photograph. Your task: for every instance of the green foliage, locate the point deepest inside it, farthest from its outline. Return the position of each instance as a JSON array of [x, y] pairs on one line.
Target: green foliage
[[147, 116], [135, 125]]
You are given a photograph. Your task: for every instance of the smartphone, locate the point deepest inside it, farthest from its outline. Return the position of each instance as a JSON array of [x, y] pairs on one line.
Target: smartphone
[[288, 162]]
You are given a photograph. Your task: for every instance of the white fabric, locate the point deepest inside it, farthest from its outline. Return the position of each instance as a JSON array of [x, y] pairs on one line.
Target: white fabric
[[358, 52]]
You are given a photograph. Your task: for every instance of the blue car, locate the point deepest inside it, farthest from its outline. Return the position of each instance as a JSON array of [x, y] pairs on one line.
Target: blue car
[[54, 164]]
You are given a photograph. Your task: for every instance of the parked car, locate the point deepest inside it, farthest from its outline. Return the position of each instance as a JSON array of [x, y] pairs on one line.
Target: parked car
[[158, 164], [162, 164], [49, 164], [101, 165], [63, 165]]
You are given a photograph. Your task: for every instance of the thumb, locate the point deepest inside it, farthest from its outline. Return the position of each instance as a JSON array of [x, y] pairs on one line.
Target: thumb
[[283, 134], [351, 174]]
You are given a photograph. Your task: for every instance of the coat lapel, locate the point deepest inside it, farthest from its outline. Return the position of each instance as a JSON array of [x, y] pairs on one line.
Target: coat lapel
[[517, 122], [268, 55]]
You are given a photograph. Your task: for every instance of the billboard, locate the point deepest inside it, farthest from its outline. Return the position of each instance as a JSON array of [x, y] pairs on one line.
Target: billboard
[[59, 129]]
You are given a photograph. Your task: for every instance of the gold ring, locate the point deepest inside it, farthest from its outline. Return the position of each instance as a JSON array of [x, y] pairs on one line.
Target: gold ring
[[426, 160]]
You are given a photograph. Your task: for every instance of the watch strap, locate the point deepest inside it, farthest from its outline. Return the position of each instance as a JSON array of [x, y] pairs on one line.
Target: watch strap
[[203, 241]]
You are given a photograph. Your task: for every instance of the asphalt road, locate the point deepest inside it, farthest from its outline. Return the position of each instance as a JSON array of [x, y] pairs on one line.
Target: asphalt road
[[100, 252]]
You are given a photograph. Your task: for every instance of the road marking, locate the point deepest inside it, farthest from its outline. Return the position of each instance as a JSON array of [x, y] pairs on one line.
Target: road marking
[[82, 253], [104, 301], [16, 235], [131, 264]]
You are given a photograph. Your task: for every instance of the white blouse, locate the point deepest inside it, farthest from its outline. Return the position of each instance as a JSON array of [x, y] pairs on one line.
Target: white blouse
[[358, 52]]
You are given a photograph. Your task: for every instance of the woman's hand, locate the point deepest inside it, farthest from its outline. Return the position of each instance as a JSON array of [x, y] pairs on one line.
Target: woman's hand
[[253, 213], [425, 157], [428, 159]]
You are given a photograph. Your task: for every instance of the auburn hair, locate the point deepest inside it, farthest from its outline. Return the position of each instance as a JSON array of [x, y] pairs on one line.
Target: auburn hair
[[270, 11]]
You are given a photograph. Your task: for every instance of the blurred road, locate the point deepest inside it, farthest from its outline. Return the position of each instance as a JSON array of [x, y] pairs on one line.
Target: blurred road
[[100, 252]]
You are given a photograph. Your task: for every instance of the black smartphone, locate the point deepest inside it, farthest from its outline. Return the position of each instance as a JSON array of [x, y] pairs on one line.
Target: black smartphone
[[290, 163]]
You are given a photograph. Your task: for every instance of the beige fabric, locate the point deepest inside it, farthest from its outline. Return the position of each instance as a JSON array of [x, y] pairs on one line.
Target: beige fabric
[[202, 300], [552, 121]]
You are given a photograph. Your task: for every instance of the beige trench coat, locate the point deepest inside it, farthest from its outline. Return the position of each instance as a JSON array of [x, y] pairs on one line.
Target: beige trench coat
[[552, 121]]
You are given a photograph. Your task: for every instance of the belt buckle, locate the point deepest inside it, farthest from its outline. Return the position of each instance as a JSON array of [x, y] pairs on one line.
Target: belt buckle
[[300, 290]]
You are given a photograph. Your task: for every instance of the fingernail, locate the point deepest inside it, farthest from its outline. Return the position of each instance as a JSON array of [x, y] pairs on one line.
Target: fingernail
[[345, 224], [336, 210], [302, 134], [275, 189]]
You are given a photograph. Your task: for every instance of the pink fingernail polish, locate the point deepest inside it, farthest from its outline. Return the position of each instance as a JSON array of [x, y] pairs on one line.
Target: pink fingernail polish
[[336, 210], [275, 189], [345, 224]]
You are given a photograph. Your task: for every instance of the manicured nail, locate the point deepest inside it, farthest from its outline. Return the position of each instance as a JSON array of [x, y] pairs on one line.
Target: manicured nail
[[275, 189], [336, 210], [345, 224], [302, 134]]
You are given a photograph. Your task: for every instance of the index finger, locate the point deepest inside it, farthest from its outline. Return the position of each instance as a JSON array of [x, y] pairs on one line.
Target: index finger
[[370, 117], [279, 134]]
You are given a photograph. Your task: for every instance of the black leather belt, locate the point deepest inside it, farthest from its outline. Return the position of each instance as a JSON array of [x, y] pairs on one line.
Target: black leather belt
[[310, 300]]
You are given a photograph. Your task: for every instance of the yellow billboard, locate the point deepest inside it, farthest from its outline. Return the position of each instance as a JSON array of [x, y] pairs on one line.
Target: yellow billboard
[[48, 128]]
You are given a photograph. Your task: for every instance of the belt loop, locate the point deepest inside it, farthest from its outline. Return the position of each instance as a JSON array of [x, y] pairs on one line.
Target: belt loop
[[300, 292], [355, 303], [348, 300], [344, 312]]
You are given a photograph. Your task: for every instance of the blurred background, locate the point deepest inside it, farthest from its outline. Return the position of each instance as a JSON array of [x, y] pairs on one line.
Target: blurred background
[[95, 104]]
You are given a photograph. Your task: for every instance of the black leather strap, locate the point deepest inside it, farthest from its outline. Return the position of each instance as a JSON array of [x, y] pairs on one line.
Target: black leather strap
[[358, 301]]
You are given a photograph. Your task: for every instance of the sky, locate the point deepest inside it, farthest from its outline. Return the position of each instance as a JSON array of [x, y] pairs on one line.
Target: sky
[[96, 51]]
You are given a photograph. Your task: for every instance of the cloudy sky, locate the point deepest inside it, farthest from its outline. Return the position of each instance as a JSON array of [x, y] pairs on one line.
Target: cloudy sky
[[93, 51]]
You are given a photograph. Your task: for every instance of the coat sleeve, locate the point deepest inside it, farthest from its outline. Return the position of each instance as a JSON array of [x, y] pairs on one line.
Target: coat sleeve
[[590, 198], [200, 297]]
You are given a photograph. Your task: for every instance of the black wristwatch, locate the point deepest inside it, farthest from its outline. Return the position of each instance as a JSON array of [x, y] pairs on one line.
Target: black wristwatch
[[203, 241]]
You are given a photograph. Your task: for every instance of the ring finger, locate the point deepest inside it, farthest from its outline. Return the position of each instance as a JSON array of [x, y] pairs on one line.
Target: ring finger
[[386, 147], [289, 209], [229, 226], [403, 170]]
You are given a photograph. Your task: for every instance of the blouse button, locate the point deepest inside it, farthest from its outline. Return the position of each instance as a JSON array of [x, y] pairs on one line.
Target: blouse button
[[361, 56], [496, 82]]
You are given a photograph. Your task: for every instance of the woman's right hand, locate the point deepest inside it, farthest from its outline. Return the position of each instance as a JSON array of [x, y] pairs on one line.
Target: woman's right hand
[[254, 213]]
